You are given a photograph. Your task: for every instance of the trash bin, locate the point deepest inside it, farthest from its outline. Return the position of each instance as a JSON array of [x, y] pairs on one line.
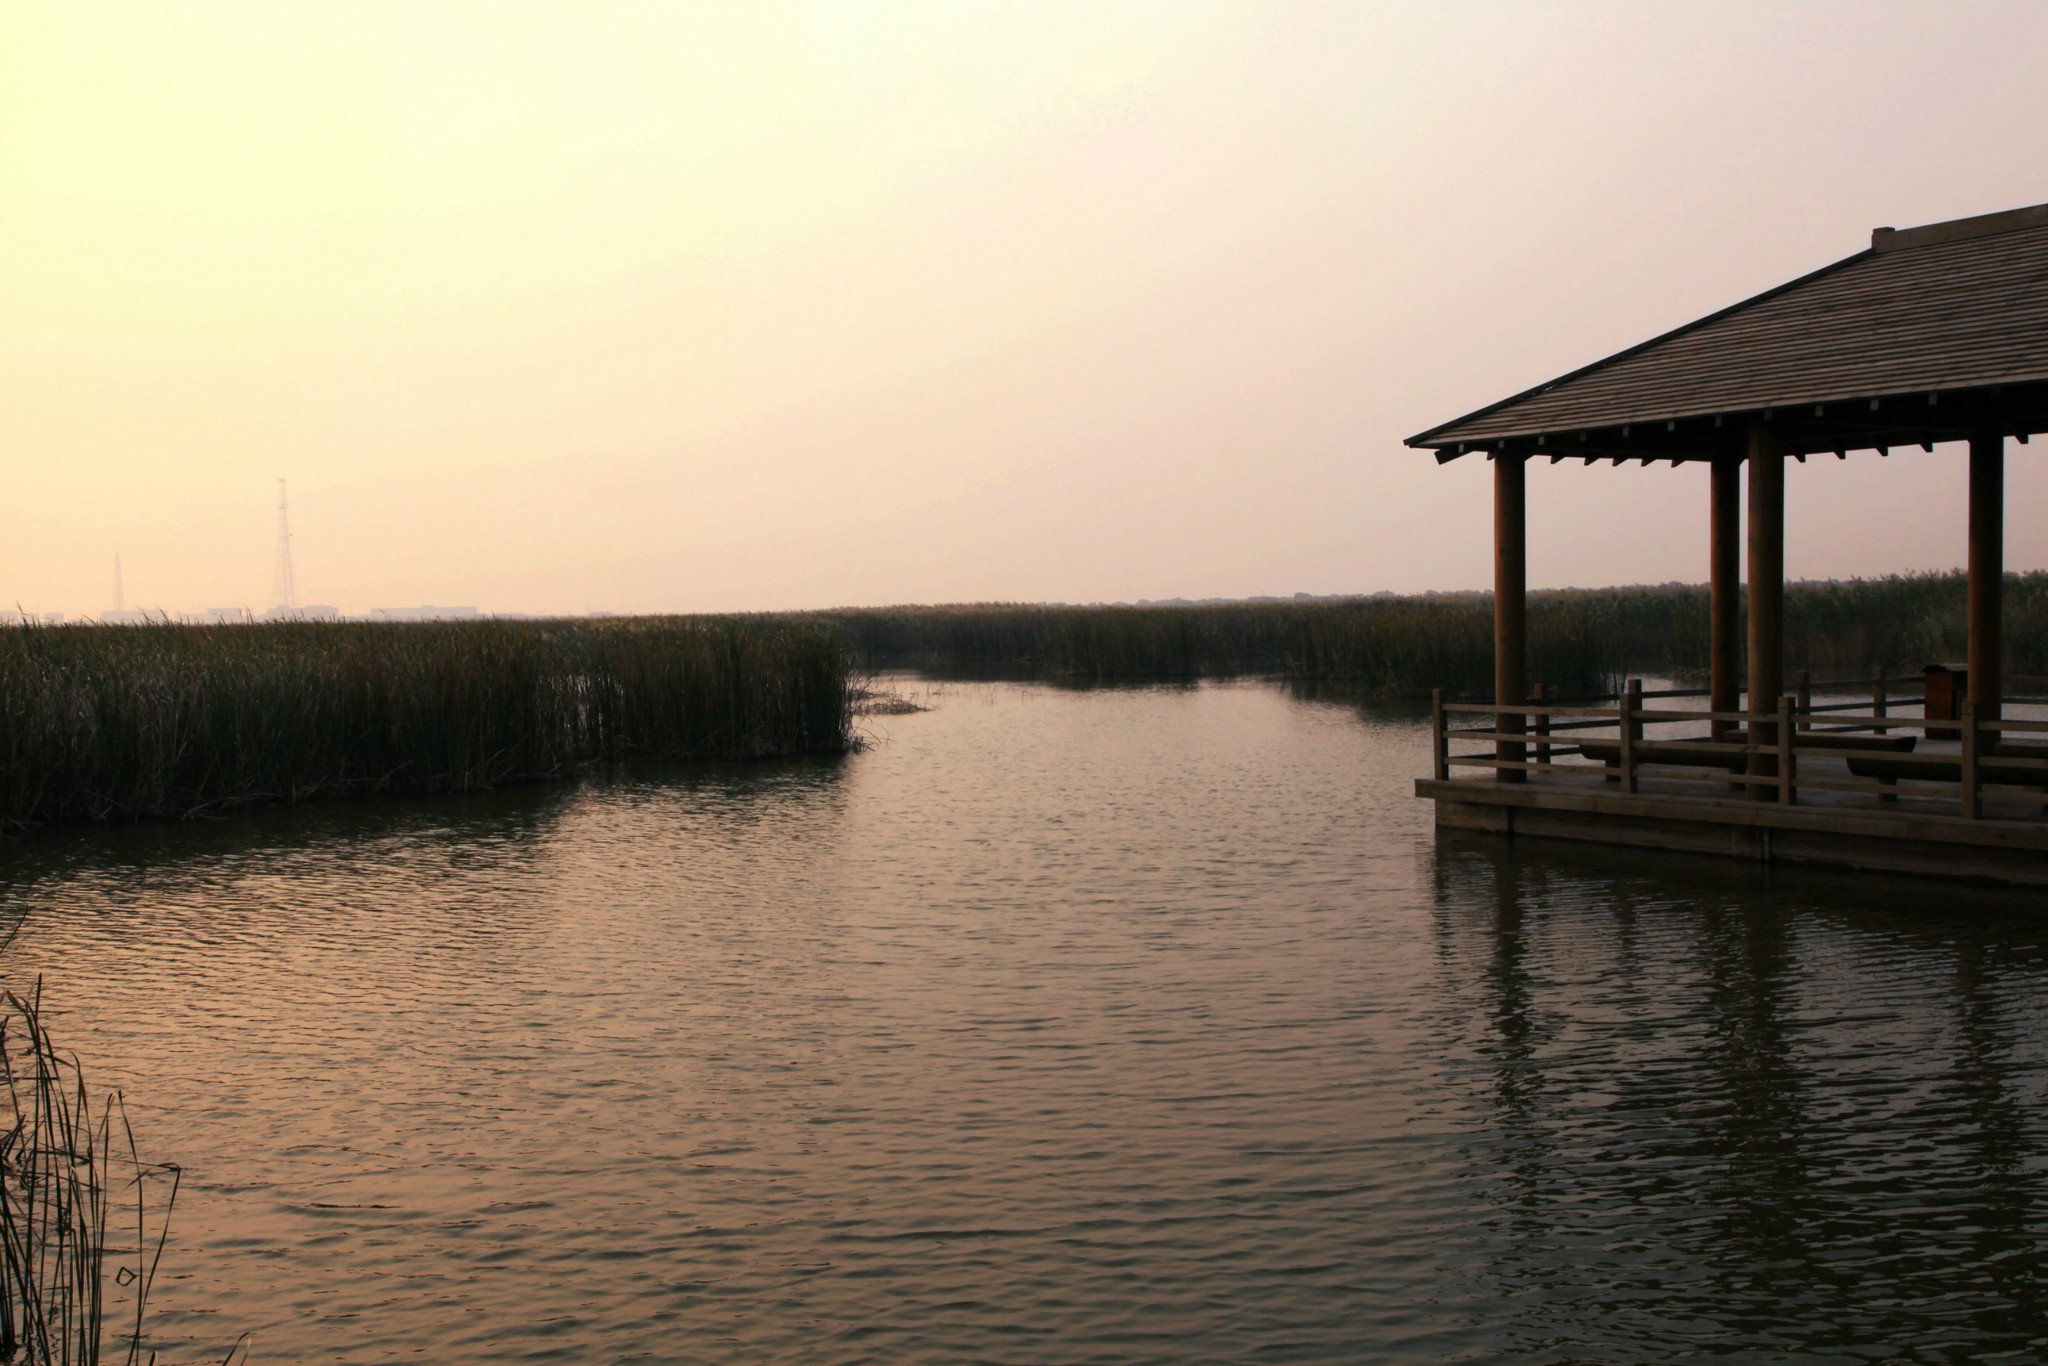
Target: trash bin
[[1945, 686]]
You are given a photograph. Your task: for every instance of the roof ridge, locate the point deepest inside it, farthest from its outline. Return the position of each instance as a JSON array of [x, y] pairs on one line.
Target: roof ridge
[[1956, 229]]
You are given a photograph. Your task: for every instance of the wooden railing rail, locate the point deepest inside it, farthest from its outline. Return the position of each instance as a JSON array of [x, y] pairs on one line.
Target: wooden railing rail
[[1529, 708], [1873, 681], [1469, 734], [2009, 723], [1830, 685], [1608, 716], [1670, 715], [1818, 707], [1627, 752]]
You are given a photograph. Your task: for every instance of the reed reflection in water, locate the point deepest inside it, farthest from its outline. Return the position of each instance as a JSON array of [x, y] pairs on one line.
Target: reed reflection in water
[[1122, 1025]]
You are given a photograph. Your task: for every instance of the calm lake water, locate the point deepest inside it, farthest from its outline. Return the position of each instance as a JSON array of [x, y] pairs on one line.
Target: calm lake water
[[1059, 1026]]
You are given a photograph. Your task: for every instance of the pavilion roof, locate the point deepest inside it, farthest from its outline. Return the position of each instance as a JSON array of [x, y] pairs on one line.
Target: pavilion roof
[[1931, 334]]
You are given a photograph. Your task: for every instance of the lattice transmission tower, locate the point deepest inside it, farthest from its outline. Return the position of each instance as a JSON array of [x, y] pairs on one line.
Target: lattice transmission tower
[[285, 585]]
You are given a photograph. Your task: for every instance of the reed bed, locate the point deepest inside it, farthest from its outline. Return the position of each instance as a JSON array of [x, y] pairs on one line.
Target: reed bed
[[1581, 640], [126, 722], [1387, 645]]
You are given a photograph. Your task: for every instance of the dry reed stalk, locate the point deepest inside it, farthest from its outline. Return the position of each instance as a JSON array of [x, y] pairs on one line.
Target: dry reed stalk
[[56, 1162]]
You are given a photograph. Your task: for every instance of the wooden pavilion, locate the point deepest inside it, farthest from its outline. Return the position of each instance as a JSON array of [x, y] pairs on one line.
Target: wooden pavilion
[[1932, 334]]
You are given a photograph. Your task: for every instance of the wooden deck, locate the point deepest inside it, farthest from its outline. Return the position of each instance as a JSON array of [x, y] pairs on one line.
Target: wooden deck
[[1803, 804]]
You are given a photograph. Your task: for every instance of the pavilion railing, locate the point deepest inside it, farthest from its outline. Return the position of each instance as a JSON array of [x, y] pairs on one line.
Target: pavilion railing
[[2004, 760]]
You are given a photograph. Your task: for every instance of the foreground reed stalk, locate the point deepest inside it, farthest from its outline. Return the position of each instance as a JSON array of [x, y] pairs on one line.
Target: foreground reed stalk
[[56, 1161], [114, 723]]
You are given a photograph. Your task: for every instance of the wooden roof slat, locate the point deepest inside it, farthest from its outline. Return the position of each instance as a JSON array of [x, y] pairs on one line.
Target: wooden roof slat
[[1959, 306]]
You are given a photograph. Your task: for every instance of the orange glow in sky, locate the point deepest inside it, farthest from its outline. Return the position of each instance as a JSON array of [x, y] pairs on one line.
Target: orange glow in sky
[[727, 306]]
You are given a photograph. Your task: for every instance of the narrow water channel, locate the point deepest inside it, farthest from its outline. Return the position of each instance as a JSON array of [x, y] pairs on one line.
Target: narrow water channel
[[1147, 1025]]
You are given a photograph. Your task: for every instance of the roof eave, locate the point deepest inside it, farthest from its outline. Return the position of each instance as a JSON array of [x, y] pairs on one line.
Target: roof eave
[[1439, 436], [2016, 406]]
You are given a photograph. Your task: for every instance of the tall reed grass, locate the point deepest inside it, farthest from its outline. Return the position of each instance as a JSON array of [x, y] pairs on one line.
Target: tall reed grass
[[165, 720], [1900, 620], [1581, 640], [65, 1164], [1387, 645]]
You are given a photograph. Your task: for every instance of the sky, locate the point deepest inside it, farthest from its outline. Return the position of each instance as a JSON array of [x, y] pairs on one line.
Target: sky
[[674, 307]]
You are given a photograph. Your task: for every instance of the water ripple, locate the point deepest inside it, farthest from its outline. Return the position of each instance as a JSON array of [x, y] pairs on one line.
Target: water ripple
[[1077, 1026]]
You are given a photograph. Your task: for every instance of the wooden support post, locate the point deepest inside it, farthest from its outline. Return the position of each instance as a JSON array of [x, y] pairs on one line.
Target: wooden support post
[[1881, 705], [1788, 757], [1724, 574], [1630, 700], [1542, 724], [1987, 578], [1973, 806], [1440, 744], [1753, 754], [1805, 687], [1766, 597], [1510, 606]]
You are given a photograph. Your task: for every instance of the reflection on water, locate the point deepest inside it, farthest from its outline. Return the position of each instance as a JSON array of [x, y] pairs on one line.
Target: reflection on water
[[1107, 1025], [1796, 1114]]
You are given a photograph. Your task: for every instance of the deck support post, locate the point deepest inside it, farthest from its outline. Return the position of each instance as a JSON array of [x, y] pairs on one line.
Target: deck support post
[[1766, 600], [1788, 757], [1630, 730], [1971, 788], [1987, 576], [1724, 559], [1510, 607]]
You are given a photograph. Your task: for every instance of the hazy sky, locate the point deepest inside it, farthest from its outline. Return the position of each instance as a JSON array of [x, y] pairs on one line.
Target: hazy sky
[[722, 306]]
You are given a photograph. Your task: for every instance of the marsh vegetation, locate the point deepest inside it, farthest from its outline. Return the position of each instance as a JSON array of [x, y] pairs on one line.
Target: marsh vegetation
[[173, 721], [176, 721], [1581, 639]]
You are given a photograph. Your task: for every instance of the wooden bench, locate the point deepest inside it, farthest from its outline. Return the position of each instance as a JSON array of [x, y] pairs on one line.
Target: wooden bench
[[1608, 752], [1948, 768]]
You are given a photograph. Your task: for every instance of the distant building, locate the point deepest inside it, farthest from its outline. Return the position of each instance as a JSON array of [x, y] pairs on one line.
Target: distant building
[[1234, 602], [428, 613], [318, 611], [130, 617]]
